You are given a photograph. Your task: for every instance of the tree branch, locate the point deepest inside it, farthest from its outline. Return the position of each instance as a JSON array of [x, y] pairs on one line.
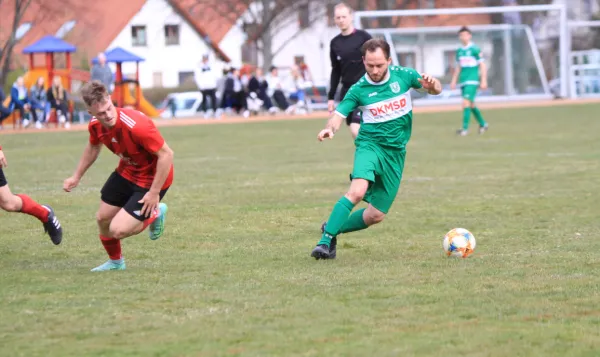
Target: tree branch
[[298, 33]]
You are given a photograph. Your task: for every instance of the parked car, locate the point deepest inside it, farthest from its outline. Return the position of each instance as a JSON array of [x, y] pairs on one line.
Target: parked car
[[181, 105]]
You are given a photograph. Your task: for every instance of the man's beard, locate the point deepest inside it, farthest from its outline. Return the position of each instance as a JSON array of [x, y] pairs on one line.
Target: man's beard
[[382, 77]]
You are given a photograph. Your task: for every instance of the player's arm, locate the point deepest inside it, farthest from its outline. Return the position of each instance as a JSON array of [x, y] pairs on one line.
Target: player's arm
[[89, 156], [482, 71], [425, 83], [336, 74], [348, 104], [150, 139], [455, 73], [163, 167]]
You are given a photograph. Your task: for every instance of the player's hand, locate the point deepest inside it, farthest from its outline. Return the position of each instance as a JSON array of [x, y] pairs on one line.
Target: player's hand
[[325, 134], [150, 203], [70, 183], [483, 85], [330, 106], [428, 82], [3, 162]]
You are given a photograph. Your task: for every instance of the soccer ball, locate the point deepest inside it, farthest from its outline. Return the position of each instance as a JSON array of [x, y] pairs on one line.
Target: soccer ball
[[459, 242]]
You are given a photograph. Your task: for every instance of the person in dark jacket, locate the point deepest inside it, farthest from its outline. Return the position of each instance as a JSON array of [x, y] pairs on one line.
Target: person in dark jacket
[[19, 97], [39, 101], [4, 111]]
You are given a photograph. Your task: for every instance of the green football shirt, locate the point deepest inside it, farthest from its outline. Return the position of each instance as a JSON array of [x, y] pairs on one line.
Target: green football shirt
[[468, 59], [386, 107]]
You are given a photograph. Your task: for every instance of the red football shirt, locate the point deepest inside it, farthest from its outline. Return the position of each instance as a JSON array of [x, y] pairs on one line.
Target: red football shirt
[[135, 139]]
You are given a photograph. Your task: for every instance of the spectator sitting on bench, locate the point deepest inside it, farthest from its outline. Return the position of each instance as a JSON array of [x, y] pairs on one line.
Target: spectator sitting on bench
[[19, 97], [57, 96], [39, 103], [4, 111]]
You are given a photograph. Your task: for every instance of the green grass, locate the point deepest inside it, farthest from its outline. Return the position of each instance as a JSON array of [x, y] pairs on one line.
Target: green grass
[[232, 276]]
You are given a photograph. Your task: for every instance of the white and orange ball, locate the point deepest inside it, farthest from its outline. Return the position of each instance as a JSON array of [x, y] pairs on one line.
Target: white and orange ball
[[459, 242]]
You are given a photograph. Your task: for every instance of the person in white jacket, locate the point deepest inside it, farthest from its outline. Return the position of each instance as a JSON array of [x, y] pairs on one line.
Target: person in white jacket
[[206, 80]]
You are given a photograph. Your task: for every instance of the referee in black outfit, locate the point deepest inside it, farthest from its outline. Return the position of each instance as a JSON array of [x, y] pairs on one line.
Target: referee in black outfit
[[346, 61]]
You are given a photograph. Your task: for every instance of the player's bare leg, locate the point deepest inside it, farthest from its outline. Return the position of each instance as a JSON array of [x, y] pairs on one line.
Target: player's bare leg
[[354, 128], [24, 204], [115, 224], [106, 213]]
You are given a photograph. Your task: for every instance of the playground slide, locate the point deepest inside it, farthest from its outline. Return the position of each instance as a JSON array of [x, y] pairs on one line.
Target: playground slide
[[145, 106]]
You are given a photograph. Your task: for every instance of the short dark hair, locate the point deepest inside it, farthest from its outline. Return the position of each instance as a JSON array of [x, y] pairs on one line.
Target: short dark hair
[[373, 44], [464, 29], [94, 92]]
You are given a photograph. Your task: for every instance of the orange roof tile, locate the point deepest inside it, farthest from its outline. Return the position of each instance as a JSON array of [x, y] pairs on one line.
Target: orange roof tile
[[97, 24]]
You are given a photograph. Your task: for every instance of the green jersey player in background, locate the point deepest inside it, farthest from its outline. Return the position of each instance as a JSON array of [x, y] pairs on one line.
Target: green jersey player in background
[[383, 96], [471, 74]]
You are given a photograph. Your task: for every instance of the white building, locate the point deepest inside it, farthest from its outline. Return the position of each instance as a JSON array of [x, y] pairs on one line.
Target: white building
[[171, 45]]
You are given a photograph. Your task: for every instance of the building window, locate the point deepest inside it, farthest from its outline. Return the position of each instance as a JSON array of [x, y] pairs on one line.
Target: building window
[[431, 4], [171, 35], [407, 59], [303, 16], [449, 61], [65, 28], [22, 30], [138, 35], [185, 77], [330, 14], [157, 80]]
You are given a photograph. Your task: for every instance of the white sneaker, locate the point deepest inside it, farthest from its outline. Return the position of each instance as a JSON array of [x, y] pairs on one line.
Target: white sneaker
[[26, 123], [62, 119], [38, 125], [67, 125]]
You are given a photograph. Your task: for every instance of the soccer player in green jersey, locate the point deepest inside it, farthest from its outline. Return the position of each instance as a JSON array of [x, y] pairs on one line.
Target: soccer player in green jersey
[[383, 96], [471, 74]]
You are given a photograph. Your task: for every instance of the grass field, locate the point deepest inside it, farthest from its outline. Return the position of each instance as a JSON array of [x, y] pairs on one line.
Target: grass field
[[233, 277]]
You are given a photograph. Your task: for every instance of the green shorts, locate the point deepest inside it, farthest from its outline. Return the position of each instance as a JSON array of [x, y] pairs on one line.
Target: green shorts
[[469, 92], [383, 169]]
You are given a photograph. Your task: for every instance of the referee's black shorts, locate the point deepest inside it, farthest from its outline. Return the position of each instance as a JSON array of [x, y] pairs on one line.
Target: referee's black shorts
[[356, 115]]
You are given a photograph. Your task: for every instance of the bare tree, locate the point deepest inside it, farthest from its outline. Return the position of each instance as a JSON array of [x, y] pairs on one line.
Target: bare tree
[[261, 20], [39, 12]]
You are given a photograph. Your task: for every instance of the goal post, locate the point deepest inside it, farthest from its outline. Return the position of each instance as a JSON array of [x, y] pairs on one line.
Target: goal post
[[510, 50]]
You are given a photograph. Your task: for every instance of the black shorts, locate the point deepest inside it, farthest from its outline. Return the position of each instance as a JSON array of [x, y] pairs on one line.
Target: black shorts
[[120, 192], [356, 115], [3, 181]]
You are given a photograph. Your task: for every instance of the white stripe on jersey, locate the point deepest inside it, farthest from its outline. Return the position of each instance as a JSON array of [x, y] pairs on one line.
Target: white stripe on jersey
[[127, 120]]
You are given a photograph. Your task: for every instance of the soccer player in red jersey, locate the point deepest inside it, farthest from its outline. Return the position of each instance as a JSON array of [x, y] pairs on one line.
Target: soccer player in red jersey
[[131, 195], [24, 204]]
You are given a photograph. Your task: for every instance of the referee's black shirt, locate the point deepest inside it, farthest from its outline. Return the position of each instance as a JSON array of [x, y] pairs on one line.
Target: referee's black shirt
[[346, 60]]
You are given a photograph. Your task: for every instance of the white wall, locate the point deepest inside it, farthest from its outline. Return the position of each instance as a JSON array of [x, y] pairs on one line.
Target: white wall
[[307, 44], [160, 58], [231, 44]]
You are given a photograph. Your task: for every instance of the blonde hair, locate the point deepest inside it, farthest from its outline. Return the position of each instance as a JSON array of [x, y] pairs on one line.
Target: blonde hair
[[342, 5]]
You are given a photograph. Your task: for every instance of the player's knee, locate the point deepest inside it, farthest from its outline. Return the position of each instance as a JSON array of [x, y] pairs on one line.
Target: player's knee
[[467, 103], [102, 220], [356, 194], [9, 203], [374, 216], [118, 232]]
